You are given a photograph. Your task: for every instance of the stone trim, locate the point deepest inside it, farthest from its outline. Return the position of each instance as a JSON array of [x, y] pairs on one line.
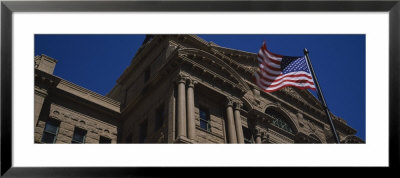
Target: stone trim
[[69, 87], [89, 95]]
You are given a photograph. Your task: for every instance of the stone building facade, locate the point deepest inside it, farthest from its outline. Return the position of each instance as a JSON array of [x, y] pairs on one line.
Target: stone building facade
[[180, 89]]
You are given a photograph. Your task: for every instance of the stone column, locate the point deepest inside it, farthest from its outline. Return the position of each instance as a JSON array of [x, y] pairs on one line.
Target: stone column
[[238, 123], [181, 108], [258, 136], [191, 126], [230, 123]]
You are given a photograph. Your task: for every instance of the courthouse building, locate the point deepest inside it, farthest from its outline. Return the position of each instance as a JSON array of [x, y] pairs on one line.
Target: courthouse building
[[180, 89]]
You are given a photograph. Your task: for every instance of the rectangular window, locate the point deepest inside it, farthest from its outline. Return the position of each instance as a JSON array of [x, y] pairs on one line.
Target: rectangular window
[[205, 119], [50, 131], [79, 135], [104, 140], [159, 118], [147, 74], [248, 136], [143, 131]]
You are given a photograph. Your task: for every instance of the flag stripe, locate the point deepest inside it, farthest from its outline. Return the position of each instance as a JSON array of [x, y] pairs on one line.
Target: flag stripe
[[273, 87], [273, 63], [279, 77], [266, 54], [269, 82], [268, 75], [269, 70], [289, 85], [286, 83], [278, 68]]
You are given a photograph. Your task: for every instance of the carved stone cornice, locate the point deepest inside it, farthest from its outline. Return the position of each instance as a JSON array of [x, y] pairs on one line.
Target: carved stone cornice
[[213, 76], [48, 79], [352, 139], [300, 102], [89, 95], [247, 69], [343, 127], [185, 53]]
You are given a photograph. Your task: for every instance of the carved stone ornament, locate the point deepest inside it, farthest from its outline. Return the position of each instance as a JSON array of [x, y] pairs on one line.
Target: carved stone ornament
[[181, 78], [190, 82], [300, 119], [238, 105], [264, 137], [311, 126], [56, 113], [254, 102], [278, 104], [257, 132], [229, 101]]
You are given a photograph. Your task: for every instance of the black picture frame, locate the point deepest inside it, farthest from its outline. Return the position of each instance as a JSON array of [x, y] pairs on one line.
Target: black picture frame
[[8, 7]]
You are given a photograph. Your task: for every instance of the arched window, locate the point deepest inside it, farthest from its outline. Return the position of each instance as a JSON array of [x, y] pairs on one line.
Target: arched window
[[279, 120]]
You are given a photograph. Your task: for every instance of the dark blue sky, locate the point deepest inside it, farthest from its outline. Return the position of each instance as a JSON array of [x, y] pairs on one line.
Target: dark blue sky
[[96, 61]]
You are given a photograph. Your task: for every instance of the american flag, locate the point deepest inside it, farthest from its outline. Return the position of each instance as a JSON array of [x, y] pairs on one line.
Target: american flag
[[277, 71]]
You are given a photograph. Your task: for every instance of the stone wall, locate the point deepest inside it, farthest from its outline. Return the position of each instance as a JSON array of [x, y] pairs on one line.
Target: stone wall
[[69, 120], [217, 121], [145, 110]]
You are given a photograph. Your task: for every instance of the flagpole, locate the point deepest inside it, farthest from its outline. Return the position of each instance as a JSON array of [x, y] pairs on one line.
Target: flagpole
[[321, 97]]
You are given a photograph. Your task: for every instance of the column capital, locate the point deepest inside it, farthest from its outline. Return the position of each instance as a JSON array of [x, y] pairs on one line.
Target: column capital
[[191, 82], [238, 105], [229, 101], [180, 78], [257, 132]]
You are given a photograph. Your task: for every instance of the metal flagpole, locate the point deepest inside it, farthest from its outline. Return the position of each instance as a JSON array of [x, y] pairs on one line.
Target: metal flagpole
[[321, 97]]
